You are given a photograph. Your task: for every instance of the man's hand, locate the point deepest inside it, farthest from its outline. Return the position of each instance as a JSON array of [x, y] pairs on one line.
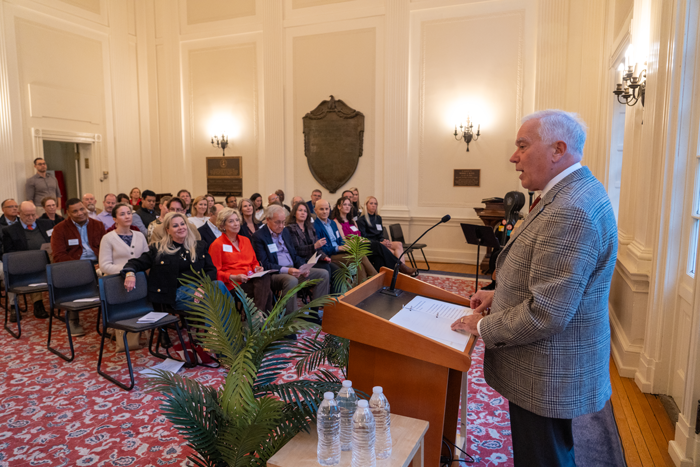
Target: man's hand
[[468, 324], [341, 248], [293, 272], [481, 301]]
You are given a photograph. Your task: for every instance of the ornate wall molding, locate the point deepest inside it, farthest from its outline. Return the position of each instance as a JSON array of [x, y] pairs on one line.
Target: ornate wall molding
[[7, 152], [552, 45]]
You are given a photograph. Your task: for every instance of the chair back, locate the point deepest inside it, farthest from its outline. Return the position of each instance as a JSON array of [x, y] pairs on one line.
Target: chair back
[[71, 280], [396, 233], [24, 267], [118, 304]]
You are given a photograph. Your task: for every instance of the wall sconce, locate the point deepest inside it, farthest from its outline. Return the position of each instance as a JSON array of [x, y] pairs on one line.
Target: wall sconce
[[630, 87], [221, 143], [466, 133]]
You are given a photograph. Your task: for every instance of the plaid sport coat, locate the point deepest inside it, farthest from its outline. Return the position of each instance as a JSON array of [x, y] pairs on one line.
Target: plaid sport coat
[[548, 335]]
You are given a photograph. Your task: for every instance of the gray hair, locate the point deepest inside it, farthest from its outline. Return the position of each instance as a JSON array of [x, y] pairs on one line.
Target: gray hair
[[224, 215], [273, 209], [558, 125]]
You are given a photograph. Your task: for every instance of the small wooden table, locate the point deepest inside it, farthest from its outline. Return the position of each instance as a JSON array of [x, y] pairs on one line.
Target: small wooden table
[[407, 445]]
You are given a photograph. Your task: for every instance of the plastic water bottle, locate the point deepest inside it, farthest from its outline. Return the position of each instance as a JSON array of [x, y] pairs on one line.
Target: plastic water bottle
[[328, 427], [382, 418], [347, 402], [363, 436]]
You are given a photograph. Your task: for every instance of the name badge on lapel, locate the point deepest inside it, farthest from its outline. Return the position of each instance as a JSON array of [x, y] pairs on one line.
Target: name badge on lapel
[[49, 232], [353, 228], [379, 227], [228, 249], [272, 247], [73, 242]]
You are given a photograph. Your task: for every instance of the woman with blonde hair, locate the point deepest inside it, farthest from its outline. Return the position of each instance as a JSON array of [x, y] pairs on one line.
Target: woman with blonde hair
[[171, 259], [235, 261], [121, 244], [371, 227], [199, 216], [135, 197]]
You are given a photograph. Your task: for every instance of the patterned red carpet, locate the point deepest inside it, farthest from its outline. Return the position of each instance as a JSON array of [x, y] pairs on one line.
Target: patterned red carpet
[[54, 413]]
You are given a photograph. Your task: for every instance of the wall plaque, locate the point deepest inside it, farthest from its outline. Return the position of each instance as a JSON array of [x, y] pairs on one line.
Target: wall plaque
[[467, 177], [333, 134], [224, 176]]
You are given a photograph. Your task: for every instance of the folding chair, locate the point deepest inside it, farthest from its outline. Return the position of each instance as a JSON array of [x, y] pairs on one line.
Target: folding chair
[[70, 281], [182, 314], [121, 310], [397, 236], [25, 273]]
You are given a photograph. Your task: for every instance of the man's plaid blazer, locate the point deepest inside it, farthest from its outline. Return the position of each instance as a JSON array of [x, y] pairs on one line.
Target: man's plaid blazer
[[548, 336]]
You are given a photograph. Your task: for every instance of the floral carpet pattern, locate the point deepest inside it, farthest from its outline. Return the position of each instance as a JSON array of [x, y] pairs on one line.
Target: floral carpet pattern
[[54, 413]]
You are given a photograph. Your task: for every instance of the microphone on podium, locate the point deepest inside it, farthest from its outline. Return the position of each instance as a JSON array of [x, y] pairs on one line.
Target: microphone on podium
[[392, 290]]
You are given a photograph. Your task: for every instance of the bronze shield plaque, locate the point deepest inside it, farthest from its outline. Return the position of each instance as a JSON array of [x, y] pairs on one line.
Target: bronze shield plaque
[[224, 176], [333, 134]]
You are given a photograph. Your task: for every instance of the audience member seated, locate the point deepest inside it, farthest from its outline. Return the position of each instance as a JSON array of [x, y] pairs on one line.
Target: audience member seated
[[315, 196], [50, 206], [257, 201], [356, 201], [297, 200], [135, 197], [137, 222], [231, 202], [110, 200], [90, 203], [29, 233], [163, 209], [335, 245], [210, 200], [301, 229], [234, 259], [209, 231], [122, 243], [280, 196], [147, 212], [10, 212], [354, 212], [249, 224], [200, 207], [123, 198], [175, 255], [76, 238], [173, 205], [186, 198], [380, 255], [371, 227], [275, 250], [273, 198]]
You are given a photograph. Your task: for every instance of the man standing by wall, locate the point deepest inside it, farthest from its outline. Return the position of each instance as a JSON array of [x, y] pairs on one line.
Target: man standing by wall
[[41, 185], [548, 335]]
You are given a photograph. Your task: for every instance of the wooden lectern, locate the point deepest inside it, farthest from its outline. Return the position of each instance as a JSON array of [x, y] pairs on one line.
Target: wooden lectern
[[421, 377]]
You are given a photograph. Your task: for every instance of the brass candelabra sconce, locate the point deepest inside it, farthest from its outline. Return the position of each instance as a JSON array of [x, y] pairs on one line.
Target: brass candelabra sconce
[[466, 132], [221, 143]]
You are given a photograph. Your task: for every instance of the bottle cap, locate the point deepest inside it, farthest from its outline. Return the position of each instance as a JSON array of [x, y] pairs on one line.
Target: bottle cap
[[363, 404], [377, 390], [329, 396], [347, 383]]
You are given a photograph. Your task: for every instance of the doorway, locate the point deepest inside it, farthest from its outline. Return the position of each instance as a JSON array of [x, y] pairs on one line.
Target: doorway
[[63, 159]]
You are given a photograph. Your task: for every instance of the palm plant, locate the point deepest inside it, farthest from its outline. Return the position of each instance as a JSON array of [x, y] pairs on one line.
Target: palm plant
[[249, 418], [313, 352]]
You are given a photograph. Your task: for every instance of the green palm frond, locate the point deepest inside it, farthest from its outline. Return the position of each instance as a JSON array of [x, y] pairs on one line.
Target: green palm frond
[[194, 411]]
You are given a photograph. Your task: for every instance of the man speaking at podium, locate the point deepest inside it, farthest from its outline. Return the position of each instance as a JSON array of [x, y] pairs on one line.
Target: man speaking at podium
[[547, 336]]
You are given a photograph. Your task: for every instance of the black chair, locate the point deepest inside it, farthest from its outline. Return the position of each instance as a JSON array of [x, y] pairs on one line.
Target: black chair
[[397, 236], [23, 268], [122, 310], [164, 339], [70, 281]]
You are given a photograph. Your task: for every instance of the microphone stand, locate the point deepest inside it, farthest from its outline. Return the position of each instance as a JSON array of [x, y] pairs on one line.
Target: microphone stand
[[392, 290]]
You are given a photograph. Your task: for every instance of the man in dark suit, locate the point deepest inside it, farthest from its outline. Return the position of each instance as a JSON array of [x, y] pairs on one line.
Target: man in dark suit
[[10, 210], [548, 334], [29, 233], [147, 212], [315, 196], [209, 231], [76, 238], [274, 249]]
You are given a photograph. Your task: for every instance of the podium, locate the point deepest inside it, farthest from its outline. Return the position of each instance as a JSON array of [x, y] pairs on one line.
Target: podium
[[421, 377]]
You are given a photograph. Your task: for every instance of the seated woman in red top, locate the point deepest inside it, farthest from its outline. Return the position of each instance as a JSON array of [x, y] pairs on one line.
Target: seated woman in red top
[[235, 260]]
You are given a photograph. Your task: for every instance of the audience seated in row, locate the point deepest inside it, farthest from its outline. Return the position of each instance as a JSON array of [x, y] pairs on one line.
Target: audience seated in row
[[50, 205]]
